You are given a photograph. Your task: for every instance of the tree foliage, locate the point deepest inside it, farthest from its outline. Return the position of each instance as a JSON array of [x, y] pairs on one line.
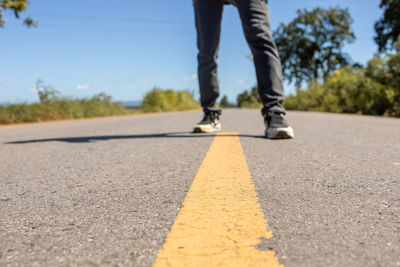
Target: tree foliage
[[387, 28], [15, 6], [311, 45]]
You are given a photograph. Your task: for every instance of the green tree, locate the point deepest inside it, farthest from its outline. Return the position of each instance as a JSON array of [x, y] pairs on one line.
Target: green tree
[[46, 93], [311, 45], [103, 97], [16, 6], [224, 102], [387, 28]]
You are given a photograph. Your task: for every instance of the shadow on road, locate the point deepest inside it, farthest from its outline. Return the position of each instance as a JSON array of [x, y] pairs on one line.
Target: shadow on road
[[88, 139]]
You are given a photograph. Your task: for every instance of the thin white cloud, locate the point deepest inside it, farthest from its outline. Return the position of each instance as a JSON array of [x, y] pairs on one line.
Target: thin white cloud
[[82, 87], [144, 80], [190, 78], [1, 80], [240, 82]]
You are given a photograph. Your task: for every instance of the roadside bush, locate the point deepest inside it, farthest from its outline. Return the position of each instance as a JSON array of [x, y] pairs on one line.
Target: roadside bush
[[386, 71], [355, 92], [62, 108], [347, 91], [373, 90], [159, 100]]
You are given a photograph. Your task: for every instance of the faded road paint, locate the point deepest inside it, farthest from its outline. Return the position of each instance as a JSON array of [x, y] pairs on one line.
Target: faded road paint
[[221, 223]]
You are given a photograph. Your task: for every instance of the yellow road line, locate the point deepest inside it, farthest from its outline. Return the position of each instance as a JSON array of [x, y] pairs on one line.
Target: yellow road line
[[221, 222]]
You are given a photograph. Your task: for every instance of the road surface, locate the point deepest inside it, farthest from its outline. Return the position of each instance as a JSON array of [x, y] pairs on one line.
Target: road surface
[[107, 192]]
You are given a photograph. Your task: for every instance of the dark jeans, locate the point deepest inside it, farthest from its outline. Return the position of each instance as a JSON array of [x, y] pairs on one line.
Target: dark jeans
[[254, 15]]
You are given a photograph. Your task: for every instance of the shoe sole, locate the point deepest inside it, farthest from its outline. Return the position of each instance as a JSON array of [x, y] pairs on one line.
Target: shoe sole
[[206, 128], [279, 133]]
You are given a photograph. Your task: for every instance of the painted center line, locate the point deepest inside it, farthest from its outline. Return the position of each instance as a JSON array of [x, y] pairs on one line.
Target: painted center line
[[220, 223]]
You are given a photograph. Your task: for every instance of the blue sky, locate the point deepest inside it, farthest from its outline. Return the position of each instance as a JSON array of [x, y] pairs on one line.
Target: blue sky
[[127, 47]]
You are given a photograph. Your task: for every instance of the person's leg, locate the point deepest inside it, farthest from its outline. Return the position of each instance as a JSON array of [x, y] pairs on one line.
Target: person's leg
[[256, 25], [208, 14]]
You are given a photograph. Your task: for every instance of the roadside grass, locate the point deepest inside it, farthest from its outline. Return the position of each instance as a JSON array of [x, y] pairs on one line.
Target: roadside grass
[[54, 107], [61, 109]]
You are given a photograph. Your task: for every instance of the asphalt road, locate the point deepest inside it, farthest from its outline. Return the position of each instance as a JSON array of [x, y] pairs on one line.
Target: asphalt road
[[106, 192]]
